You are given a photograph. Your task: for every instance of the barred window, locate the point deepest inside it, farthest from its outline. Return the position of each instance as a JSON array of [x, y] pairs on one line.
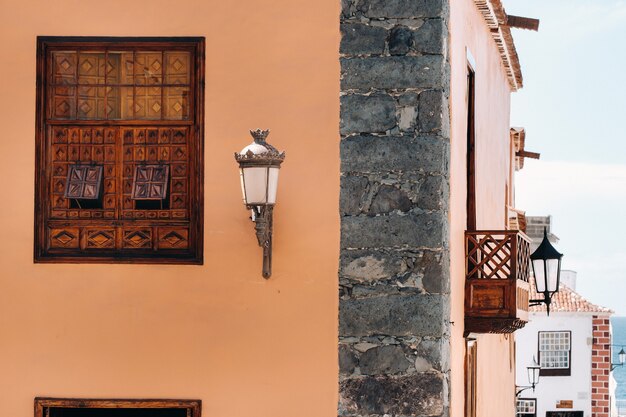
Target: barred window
[[554, 352], [526, 407]]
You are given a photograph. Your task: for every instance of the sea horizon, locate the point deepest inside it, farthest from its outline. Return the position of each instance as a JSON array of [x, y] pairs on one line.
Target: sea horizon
[[619, 338]]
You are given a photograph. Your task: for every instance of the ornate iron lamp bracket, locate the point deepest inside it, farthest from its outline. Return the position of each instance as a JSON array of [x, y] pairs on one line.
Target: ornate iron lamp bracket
[[262, 216], [518, 392]]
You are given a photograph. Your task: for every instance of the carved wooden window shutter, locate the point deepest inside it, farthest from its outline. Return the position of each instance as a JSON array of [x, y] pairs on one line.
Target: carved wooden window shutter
[[83, 182], [119, 150]]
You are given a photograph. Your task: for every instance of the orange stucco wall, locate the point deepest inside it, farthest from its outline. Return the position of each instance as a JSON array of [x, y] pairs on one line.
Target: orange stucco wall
[[218, 332], [469, 32]]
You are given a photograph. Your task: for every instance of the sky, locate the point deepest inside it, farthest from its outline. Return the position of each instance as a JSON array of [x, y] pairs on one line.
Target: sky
[[573, 106]]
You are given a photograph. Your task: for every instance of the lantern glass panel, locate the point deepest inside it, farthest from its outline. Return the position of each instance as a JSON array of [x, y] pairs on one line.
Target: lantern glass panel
[[622, 356], [553, 274], [243, 187], [259, 185], [533, 374], [255, 185], [272, 185], [539, 272]]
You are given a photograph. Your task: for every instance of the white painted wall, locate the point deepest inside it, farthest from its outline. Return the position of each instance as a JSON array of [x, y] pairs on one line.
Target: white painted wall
[[568, 278], [551, 389], [612, 388]]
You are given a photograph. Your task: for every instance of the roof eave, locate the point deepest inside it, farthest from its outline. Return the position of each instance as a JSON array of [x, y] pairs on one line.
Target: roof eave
[[496, 19]]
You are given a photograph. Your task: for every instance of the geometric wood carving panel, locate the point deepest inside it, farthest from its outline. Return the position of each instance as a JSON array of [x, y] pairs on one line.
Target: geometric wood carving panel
[[137, 238], [119, 138], [121, 85], [100, 238], [173, 238], [154, 158], [65, 238]]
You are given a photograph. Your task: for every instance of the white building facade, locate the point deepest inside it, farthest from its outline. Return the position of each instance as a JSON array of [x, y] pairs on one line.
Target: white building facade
[[573, 347]]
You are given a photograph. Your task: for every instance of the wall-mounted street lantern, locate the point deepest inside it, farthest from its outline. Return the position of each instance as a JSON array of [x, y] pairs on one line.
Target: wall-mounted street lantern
[[259, 164], [533, 377], [546, 262], [621, 357]]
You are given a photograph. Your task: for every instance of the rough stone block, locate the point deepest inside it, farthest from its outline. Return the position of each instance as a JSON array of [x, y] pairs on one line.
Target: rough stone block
[[392, 72], [394, 153], [372, 265], [402, 8], [388, 199], [414, 230], [371, 114], [346, 5], [360, 39], [400, 315], [430, 113], [408, 118], [363, 291], [420, 394], [429, 38], [433, 193], [410, 98], [434, 268], [347, 360], [400, 40], [383, 360], [367, 266], [435, 352], [353, 189]]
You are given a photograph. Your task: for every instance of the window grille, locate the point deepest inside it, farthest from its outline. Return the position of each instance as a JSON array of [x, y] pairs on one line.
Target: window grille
[[554, 350], [526, 407]]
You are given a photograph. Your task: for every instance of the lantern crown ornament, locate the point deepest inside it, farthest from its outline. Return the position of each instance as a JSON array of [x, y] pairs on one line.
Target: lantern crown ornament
[[259, 166], [546, 264], [259, 152]]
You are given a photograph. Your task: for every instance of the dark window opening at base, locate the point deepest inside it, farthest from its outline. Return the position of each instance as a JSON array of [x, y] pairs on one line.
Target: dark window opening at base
[[85, 204], [152, 204], [117, 412]]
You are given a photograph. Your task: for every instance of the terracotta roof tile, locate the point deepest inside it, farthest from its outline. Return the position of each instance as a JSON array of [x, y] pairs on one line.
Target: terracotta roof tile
[[566, 300]]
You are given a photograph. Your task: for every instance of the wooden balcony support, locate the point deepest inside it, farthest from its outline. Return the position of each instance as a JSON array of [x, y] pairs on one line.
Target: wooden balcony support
[[497, 266]]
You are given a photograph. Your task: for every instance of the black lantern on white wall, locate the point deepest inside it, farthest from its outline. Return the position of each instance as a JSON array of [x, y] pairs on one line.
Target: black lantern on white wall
[[533, 373], [546, 263], [533, 377], [259, 165]]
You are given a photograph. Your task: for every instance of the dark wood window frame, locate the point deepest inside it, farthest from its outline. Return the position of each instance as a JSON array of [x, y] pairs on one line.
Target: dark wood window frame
[[555, 371], [110, 233], [471, 374], [43, 406], [471, 149]]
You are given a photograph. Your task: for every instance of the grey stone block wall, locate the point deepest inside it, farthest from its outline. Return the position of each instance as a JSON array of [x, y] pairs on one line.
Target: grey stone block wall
[[394, 269]]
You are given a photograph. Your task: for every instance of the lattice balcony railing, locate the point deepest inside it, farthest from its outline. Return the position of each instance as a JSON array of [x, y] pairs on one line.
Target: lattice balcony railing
[[496, 285], [497, 254]]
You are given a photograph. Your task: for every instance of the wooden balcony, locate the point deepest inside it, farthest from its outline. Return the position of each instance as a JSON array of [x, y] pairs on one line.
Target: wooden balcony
[[497, 266]]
